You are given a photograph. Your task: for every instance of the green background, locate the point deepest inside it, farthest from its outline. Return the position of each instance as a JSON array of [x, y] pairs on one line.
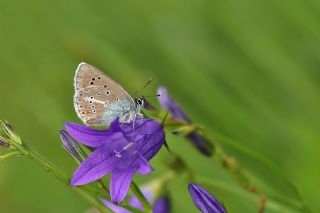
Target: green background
[[245, 69]]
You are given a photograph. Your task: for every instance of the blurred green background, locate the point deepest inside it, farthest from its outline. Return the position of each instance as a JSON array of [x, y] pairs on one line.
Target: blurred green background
[[245, 69]]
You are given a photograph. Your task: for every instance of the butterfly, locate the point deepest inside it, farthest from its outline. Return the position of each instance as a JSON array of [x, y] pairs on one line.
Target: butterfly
[[99, 100]]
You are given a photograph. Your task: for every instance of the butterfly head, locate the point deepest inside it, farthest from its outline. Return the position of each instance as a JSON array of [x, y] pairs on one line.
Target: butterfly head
[[139, 101]]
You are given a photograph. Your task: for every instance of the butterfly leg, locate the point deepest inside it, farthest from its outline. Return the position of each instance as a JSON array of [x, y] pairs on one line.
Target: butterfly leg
[[140, 115], [133, 122], [125, 118]]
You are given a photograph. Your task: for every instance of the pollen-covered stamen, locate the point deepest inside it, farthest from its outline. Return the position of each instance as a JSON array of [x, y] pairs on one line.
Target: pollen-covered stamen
[[118, 153]]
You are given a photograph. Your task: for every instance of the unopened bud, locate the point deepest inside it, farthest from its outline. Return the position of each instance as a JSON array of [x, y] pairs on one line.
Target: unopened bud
[[5, 144]]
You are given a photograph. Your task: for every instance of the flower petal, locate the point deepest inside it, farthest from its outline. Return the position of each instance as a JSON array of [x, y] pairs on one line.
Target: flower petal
[[115, 125], [115, 208], [88, 136], [148, 136], [98, 164], [119, 185], [144, 126], [145, 167], [204, 201], [151, 144]]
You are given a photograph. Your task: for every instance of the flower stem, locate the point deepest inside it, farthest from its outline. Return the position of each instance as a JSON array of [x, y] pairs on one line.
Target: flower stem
[[273, 204], [137, 192], [50, 169], [103, 186], [8, 155]]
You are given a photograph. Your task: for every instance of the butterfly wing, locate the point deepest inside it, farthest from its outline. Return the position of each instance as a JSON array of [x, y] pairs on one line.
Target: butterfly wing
[[98, 99]]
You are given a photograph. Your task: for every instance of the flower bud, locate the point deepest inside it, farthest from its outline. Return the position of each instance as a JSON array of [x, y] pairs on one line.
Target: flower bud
[[189, 131], [205, 201], [8, 135], [72, 147], [3, 143], [201, 143]]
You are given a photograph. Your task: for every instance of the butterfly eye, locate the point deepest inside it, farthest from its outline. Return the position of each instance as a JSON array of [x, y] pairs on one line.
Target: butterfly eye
[[138, 102]]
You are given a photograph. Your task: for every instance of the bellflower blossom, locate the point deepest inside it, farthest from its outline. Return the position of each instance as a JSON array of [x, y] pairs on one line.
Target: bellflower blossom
[[168, 104], [205, 201], [120, 150]]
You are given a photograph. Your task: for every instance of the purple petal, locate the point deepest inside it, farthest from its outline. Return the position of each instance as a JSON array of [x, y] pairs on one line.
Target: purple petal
[[151, 144], [117, 156], [145, 167], [168, 104], [201, 143], [113, 207], [88, 136], [115, 125], [148, 136], [204, 201], [162, 205], [119, 185], [144, 127], [98, 164]]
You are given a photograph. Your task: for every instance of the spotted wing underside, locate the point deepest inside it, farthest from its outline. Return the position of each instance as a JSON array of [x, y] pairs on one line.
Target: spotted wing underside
[[95, 93]]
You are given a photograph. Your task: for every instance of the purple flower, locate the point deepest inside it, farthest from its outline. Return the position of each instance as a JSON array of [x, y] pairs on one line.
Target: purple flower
[[167, 103], [120, 150], [204, 201], [71, 146], [201, 143], [160, 205]]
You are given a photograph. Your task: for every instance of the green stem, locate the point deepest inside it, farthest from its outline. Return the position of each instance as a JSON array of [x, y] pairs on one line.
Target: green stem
[[144, 202], [265, 162], [272, 204], [103, 186], [9, 155], [132, 209], [50, 169], [261, 159]]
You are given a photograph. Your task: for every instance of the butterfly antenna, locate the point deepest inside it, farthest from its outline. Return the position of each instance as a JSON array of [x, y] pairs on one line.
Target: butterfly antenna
[[144, 86], [149, 96]]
